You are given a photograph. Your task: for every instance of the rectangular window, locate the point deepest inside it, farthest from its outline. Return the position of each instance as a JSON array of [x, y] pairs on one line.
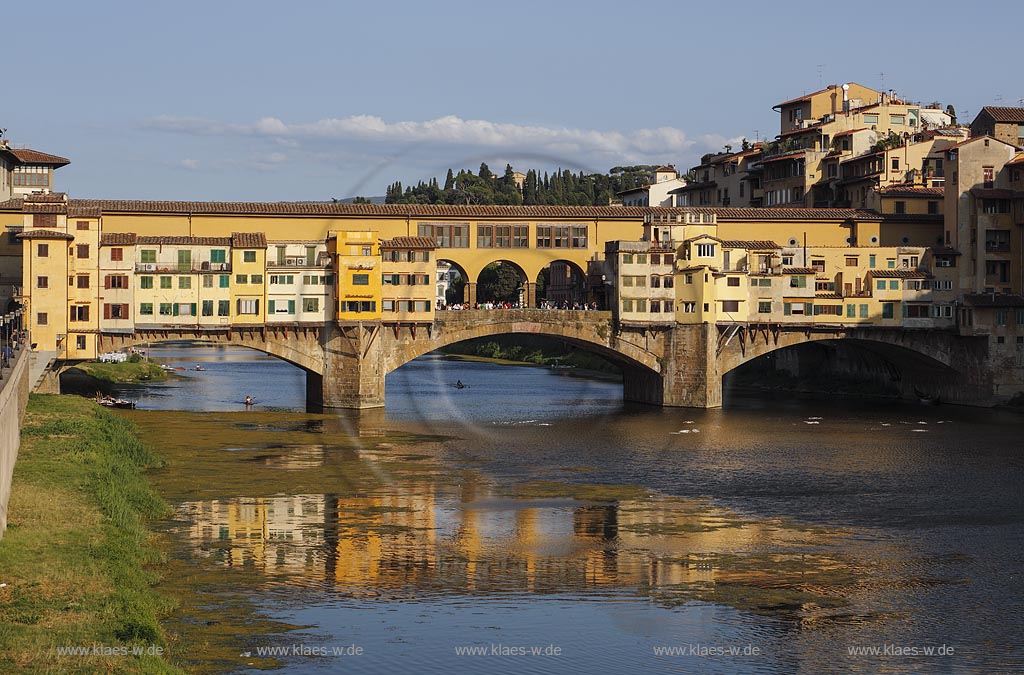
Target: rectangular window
[[83, 281], [764, 307], [798, 282], [870, 119], [223, 307], [520, 236], [733, 281], [446, 235], [44, 220], [42, 318], [933, 207], [627, 305], [207, 307], [897, 120], [42, 282], [484, 236], [887, 310], [863, 311], [851, 311], [871, 261], [880, 284], [311, 304], [730, 306], [217, 255], [248, 306], [705, 250], [184, 282], [146, 309], [241, 278], [901, 207], [225, 280], [82, 251], [894, 284], [256, 279], [166, 309], [207, 281], [145, 282], [360, 280], [147, 255], [82, 225], [42, 250], [117, 254], [81, 312], [249, 256], [165, 282], [988, 176], [627, 258], [186, 309]]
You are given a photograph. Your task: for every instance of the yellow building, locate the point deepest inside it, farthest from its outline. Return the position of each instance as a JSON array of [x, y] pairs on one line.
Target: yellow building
[[359, 276], [408, 268], [248, 267]]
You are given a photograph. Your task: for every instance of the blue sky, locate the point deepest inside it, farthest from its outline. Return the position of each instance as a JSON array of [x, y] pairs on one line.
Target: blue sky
[[225, 100]]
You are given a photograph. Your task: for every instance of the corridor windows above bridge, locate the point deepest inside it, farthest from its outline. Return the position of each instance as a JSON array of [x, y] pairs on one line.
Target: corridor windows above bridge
[[502, 235], [446, 235], [561, 236]]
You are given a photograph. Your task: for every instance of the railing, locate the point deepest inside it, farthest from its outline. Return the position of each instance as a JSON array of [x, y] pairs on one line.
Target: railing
[[997, 246], [297, 264]]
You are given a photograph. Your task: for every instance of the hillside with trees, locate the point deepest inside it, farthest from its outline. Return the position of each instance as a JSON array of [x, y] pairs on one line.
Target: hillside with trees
[[561, 187]]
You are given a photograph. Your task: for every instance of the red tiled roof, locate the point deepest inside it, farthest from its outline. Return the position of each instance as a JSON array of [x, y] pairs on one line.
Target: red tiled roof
[[118, 239], [334, 209], [762, 245], [1002, 114], [26, 156], [185, 241], [913, 191], [848, 132], [45, 234], [44, 208], [799, 270], [768, 213], [46, 198], [83, 212], [800, 98], [248, 240], [1019, 159], [788, 155], [408, 242], [899, 274]]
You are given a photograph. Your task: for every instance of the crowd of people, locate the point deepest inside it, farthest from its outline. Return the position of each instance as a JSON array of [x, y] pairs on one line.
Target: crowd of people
[[565, 305]]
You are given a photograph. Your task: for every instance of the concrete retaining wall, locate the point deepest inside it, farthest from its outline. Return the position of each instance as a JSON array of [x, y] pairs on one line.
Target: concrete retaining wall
[[13, 399]]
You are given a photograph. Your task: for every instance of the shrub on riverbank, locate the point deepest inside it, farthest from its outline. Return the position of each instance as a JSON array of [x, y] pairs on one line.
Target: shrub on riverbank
[[530, 349], [73, 558]]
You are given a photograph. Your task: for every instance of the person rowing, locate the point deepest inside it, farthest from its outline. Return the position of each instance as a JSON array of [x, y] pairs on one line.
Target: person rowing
[[248, 401]]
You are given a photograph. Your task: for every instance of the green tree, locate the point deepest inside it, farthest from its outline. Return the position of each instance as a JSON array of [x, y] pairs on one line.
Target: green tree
[[449, 181], [498, 282]]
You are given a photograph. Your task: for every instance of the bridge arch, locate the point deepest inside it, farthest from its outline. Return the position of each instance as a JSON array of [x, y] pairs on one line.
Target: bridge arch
[[494, 278], [566, 281], [587, 330], [298, 346]]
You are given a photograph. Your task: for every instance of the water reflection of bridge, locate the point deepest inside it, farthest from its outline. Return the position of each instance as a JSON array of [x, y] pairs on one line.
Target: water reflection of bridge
[[440, 544]]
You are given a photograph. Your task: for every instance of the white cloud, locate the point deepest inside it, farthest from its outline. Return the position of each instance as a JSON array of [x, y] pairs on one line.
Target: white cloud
[[190, 164], [659, 143]]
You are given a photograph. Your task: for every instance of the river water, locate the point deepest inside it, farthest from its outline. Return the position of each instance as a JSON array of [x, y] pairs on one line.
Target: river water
[[532, 522]]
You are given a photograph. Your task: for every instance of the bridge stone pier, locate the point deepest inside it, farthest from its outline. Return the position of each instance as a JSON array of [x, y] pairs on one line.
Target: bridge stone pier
[[667, 364]]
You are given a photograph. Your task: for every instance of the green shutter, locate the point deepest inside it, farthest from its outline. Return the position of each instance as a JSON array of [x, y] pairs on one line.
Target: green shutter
[[291, 306], [808, 308], [787, 308], [193, 307], [174, 309], [270, 306]]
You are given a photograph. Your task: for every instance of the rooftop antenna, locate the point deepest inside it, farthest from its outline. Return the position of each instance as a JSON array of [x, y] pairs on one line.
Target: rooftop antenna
[[999, 98], [821, 68], [881, 76]]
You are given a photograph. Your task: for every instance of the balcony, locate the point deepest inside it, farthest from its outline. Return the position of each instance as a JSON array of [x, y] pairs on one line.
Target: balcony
[[299, 263], [181, 268], [997, 247]]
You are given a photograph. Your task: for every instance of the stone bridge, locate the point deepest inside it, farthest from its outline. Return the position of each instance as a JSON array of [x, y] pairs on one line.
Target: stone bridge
[[668, 364]]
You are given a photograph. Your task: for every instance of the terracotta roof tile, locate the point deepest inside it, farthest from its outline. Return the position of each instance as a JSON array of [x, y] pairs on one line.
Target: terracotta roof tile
[[26, 156], [46, 198], [762, 245], [184, 241], [913, 191], [118, 239], [899, 274], [768, 213], [45, 234], [44, 208], [408, 242], [799, 270], [334, 209], [1003, 114], [248, 240], [83, 212]]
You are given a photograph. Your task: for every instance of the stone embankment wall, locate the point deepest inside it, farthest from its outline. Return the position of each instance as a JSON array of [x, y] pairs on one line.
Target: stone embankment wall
[[14, 390]]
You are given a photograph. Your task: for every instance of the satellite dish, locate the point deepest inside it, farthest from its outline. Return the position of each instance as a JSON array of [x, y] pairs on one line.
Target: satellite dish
[[846, 87]]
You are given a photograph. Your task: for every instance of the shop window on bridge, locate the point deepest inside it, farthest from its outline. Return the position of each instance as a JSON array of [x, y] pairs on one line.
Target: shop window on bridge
[[146, 309], [387, 305], [223, 307], [887, 310], [311, 304], [208, 307], [730, 306], [764, 307], [362, 306], [655, 281], [916, 311], [655, 306], [446, 235], [641, 305], [668, 282]]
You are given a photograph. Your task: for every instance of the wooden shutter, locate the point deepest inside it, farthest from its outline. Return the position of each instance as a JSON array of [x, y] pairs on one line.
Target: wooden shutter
[[106, 310]]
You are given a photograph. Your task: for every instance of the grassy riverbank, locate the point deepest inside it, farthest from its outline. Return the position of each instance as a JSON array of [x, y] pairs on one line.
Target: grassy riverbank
[[530, 349], [74, 555], [123, 373]]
